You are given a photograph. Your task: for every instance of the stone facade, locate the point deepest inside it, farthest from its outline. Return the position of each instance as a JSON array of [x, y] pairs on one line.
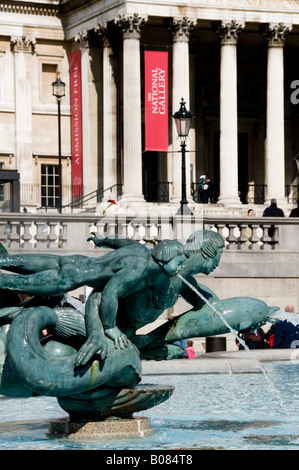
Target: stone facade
[[233, 61]]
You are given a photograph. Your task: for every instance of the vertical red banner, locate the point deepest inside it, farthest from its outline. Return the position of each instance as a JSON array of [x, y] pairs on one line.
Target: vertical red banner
[[156, 100], [76, 123]]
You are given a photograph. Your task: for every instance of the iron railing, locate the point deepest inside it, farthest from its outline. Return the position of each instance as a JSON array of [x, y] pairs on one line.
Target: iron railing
[[153, 192], [248, 193], [156, 191]]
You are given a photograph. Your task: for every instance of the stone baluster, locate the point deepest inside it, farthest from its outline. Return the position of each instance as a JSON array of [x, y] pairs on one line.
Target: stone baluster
[[41, 237], [27, 235], [3, 232], [231, 238], [266, 239], [122, 226], [62, 240], [243, 241], [100, 227], [254, 238], [53, 236], [14, 235]]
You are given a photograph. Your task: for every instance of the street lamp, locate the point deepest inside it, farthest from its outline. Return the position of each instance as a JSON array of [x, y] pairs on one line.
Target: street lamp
[[183, 120], [59, 91]]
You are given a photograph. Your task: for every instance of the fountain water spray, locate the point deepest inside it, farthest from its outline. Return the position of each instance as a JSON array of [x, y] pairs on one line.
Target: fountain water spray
[[241, 341]]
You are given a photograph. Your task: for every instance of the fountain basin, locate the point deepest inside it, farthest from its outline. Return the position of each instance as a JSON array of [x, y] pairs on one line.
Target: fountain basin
[[214, 411]]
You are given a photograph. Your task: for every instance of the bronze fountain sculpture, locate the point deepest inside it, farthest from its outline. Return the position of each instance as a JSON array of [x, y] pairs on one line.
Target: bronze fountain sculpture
[[91, 360]]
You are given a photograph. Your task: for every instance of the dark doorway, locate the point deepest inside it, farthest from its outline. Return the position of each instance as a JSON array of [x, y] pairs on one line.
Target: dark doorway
[[216, 176], [243, 166], [153, 189], [11, 178], [150, 176]]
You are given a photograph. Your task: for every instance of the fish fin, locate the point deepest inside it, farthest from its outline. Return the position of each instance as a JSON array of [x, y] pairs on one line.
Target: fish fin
[[3, 251], [7, 314], [70, 322]]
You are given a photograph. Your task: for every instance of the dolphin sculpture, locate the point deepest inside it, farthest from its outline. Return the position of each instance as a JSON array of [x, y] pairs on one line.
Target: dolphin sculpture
[[240, 313]]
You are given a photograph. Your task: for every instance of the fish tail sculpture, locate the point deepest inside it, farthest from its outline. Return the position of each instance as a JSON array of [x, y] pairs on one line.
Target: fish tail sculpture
[[55, 374], [34, 366]]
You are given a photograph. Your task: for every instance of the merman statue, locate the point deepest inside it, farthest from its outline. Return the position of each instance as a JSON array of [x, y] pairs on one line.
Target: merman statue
[[91, 361]]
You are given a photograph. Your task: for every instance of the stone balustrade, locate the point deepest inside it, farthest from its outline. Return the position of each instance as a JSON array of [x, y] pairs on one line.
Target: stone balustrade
[[69, 232]]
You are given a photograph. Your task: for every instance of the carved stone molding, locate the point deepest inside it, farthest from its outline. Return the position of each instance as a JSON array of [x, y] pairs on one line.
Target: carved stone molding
[[49, 10], [228, 31], [180, 28], [22, 43], [130, 25], [102, 33], [275, 34], [82, 38]]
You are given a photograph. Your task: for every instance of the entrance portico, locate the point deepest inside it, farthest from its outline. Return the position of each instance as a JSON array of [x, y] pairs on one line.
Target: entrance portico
[[271, 163]]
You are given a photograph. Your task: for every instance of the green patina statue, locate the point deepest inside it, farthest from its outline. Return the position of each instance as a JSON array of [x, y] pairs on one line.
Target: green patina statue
[[91, 361]]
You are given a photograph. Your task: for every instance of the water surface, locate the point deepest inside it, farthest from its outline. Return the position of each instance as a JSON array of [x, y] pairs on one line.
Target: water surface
[[206, 411]]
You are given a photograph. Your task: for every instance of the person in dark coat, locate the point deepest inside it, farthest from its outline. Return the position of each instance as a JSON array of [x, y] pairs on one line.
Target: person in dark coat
[[286, 334], [253, 339], [273, 210], [295, 212]]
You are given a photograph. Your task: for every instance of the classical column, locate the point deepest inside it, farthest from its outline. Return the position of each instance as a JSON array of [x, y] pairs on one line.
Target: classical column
[[88, 170], [23, 48], [109, 113], [180, 29], [132, 145], [227, 33], [275, 35]]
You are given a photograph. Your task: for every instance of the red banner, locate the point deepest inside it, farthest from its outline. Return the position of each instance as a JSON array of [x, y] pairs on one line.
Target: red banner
[[76, 122], [156, 101]]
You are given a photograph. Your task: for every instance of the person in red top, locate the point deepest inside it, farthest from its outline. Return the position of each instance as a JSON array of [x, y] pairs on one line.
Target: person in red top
[[190, 350]]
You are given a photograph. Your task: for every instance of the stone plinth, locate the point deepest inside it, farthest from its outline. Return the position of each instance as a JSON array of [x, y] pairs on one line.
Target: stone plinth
[[134, 427]]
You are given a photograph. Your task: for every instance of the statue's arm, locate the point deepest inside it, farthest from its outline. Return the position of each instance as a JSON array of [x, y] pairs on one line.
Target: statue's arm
[[124, 282], [194, 299], [96, 342], [111, 242]]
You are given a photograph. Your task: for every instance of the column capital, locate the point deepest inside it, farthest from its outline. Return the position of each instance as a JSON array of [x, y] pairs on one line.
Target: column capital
[[82, 38], [130, 25], [275, 33], [228, 31], [22, 43], [102, 32], [180, 28]]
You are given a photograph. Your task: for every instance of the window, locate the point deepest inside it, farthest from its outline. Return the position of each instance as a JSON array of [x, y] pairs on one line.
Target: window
[[49, 75], [49, 186]]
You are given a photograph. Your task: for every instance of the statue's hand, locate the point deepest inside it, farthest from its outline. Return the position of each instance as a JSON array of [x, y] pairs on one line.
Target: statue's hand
[[95, 239], [119, 338], [93, 345]]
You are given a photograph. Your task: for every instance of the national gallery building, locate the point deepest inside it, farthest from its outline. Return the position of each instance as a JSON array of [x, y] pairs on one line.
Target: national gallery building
[[126, 66]]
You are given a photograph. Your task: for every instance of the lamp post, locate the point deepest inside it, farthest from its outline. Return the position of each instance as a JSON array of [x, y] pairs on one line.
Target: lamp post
[[59, 91], [183, 120]]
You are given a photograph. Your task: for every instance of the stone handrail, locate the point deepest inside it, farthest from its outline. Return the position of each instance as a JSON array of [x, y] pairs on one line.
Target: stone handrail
[[69, 232]]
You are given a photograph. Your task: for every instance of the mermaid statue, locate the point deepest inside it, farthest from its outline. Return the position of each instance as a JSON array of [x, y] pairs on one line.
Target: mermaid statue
[[91, 357]]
